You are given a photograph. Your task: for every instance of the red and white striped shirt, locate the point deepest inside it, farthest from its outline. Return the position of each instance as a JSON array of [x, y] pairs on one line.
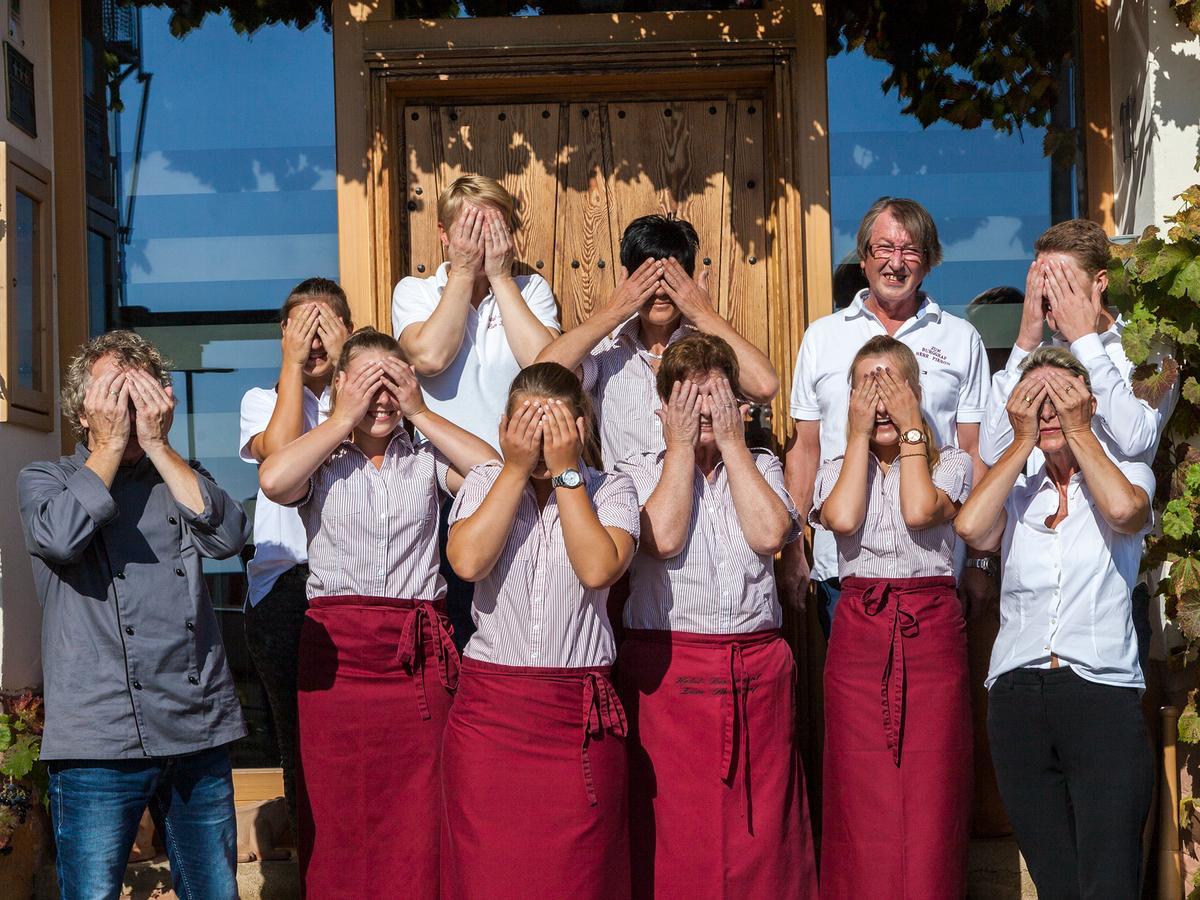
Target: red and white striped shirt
[[717, 584], [885, 547], [531, 609], [619, 376], [374, 531]]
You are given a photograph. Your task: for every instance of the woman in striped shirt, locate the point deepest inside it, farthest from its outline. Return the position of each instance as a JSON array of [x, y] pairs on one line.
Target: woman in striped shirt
[[369, 499], [898, 769], [717, 802], [534, 756]]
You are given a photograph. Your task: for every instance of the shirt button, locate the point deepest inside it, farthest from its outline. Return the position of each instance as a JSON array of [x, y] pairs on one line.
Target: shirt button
[[172, 520], [383, 515], [121, 575], [180, 572], [129, 629], [193, 679], [137, 685], [191, 627]]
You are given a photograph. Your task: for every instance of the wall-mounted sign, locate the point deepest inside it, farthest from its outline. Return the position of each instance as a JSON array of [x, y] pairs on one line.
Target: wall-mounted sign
[[21, 111]]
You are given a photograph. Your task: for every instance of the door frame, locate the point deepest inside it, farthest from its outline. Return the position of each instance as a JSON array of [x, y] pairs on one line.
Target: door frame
[[381, 63]]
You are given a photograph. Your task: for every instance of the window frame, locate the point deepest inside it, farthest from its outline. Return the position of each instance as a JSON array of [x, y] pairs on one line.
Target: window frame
[[19, 405]]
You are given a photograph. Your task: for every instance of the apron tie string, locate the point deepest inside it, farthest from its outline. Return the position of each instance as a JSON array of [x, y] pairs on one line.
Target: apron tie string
[[891, 688], [602, 710], [410, 652], [737, 727]]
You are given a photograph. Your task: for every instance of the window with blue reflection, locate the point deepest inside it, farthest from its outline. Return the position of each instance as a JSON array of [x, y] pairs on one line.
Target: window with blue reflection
[[991, 193], [226, 200]]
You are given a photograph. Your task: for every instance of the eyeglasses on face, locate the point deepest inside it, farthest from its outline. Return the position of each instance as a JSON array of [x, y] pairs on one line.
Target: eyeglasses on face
[[908, 254]]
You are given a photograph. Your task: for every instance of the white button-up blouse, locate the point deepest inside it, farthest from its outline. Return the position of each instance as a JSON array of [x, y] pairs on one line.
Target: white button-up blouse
[[1066, 590], [531, 609]]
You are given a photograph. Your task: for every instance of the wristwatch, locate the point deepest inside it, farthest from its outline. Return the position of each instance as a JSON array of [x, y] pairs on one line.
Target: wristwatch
[[568, 478], [913, 436], [989, 564]]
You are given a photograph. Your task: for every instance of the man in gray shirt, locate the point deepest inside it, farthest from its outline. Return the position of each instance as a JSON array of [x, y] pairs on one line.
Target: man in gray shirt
[[140, 704]]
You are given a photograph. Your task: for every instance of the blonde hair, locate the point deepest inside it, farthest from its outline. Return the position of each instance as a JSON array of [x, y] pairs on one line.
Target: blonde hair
[[132, 352], [1055, 358], [366, 338], [906, 362], [478, 189]]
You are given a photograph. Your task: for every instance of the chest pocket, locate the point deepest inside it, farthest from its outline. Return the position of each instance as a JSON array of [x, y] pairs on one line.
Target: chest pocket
[[939, 388]]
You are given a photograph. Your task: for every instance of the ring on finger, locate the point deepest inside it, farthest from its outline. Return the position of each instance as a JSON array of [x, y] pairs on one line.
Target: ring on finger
[[1028, 400]]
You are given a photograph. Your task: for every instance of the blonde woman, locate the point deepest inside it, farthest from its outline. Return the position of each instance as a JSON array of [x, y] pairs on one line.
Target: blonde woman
[[897, 711], [377, 666]]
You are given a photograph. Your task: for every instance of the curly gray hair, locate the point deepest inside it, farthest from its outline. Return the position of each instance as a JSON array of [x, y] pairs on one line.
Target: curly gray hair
[[132, 351]]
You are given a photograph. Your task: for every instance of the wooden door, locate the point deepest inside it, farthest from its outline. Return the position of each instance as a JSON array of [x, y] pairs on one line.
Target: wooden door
[[581, 171]]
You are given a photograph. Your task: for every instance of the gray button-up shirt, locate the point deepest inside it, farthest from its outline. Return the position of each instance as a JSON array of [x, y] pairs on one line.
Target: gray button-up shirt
[[131, 653]]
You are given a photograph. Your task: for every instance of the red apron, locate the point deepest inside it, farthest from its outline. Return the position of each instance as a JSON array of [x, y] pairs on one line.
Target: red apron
[[376, 677], [534, 786], [898, 763], [716, 789]]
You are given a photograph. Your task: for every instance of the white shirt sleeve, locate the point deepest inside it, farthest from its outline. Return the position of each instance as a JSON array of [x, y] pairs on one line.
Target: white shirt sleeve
[[1133, 424], [413, 301], [805, 405], [540, 299], [973, 389], [995, 433], [257, 406]]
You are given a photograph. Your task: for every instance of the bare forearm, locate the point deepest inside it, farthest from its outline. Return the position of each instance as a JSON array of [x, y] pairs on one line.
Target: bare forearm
[[668, 510], [104, 460], [461, 448], [431, 345], [287, 419], [763, 516], [180, 478], [980, 522], [1124, 506], [845, 509], [920, 502], [594, 556], [569, 348], [800, 465], [757, 378], [285, 474], [476, 542], [526, 335]]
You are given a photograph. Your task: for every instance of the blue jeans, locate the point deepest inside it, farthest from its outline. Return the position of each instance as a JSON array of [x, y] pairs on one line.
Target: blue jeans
[[828, 592], [95, 807]]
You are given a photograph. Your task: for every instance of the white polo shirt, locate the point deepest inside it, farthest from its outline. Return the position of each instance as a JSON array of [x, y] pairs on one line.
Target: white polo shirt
[[472, 390], [279, 538], [1066, 590], [954, 382]]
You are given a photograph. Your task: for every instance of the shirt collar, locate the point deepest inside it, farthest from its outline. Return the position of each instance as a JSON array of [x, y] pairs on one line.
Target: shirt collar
[[399, 445], [82, 453], [442, 276], [926, 308]]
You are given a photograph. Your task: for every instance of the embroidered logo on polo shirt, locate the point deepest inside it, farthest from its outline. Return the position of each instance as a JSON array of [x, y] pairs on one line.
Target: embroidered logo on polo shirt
[[935, 354]]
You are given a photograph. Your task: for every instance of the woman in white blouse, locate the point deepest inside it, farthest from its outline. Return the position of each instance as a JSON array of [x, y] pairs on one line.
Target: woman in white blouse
[[897, 759], [534, 766], [1065, 722], [368, 496]]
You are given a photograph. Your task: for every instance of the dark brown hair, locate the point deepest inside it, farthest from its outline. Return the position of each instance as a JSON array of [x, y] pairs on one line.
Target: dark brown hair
[[548, 379], [1079, 238], [313, 290], [906, 363], [912, 217], [366, 338], [697, 352]]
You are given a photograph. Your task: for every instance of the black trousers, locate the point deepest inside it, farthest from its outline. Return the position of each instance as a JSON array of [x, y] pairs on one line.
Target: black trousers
[[459, 593], [273, 640], [1076, 773]]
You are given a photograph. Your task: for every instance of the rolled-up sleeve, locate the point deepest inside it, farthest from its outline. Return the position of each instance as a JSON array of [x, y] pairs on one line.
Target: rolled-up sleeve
[[61, 517], [222, 528]]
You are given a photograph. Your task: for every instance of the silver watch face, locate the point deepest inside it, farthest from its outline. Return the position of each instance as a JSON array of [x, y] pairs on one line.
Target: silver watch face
[[570, 478], [914, 436]]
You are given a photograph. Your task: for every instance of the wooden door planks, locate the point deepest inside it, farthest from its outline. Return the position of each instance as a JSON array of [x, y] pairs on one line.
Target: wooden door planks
[[419, 204]]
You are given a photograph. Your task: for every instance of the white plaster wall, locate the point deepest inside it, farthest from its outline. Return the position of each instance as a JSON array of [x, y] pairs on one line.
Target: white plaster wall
[[20, 614], [1155, 64]]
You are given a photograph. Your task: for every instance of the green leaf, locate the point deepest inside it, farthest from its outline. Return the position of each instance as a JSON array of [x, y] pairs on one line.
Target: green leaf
[[1192, 478], [1152, 383], [1178, 520], [6, 737], [1187, 279], [1189, 725], [19, 759], [1169, 258], [1191, 390], [1140, 330]]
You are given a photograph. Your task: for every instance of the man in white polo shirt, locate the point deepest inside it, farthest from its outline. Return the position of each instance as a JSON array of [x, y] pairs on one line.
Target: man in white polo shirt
[[469, 328], [898, 246]]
